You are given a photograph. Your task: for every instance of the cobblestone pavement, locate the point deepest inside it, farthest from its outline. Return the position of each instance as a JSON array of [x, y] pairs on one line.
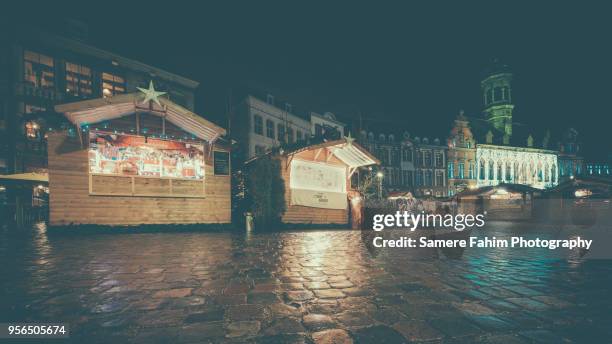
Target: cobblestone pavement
[[299, 286]]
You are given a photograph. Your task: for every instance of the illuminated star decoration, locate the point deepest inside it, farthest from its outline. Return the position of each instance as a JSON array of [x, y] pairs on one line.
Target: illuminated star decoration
[[349, 139], [150, 94]]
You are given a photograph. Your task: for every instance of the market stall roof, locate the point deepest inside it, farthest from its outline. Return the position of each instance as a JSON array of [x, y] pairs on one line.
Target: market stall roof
[[400, 194], [26, 177], [485, 190], [346, 150], [102, 109]]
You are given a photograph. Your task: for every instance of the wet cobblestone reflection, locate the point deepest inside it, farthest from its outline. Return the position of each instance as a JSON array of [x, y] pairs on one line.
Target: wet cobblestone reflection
[[299, 287]]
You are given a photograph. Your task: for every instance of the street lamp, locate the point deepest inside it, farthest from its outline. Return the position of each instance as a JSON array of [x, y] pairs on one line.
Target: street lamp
[[380, 176]]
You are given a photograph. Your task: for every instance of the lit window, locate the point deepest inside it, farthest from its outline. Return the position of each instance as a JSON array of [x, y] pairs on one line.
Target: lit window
[[112, 85], [471, 170], [38, 69], [32, 130], [78, 80]]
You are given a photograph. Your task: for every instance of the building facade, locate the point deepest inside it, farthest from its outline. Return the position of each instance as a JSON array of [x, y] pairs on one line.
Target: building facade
[[571, 163], [396, 154], [516, 165], [602, 168], [326, 125], [430, 168], [461, 165], [504, 156], [41, 69], [261, 125]]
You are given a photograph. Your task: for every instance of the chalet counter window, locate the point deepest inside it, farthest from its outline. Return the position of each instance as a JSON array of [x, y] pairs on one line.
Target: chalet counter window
[[134, 165]]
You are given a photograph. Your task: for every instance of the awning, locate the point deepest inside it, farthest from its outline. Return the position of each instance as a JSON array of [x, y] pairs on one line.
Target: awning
[[349, 152], [102, 109], [353, 155], [26, 177]]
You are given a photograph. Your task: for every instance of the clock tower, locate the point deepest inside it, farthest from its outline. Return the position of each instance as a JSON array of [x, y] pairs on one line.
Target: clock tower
[[497, 96]]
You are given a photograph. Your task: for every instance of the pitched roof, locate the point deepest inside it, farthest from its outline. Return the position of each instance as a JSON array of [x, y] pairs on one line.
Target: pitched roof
[[26, 177], [350, 153], [102, 109]]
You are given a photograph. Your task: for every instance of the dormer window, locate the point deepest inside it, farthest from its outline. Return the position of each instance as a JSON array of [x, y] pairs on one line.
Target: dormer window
[[288, 107], [270, 99]]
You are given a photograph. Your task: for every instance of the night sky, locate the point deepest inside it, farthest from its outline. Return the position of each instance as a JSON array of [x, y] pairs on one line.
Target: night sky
[[417, 65]]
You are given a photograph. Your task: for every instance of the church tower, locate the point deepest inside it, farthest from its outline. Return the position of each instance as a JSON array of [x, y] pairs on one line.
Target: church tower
[[497, 95]]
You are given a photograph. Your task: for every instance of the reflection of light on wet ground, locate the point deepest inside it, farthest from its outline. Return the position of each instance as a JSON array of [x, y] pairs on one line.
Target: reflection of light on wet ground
[[112, 282], [41, 243]]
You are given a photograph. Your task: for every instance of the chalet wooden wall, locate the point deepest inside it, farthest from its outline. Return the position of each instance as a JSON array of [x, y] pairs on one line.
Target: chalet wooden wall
[[309, 215], [71, 203]]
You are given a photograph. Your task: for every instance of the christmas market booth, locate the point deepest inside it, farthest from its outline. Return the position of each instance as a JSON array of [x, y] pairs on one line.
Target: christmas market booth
[[137, 159], [500, 202], [317, 182]]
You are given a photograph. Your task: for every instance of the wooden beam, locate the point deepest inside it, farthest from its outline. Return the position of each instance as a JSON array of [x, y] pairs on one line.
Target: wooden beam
[[288, 161], [329, 155], [317, 154], [78, 129]]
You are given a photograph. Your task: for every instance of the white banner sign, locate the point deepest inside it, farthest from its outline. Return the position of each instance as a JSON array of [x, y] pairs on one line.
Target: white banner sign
[[318, 185]]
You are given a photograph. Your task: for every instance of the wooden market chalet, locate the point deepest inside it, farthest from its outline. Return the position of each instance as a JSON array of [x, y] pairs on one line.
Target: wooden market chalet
[[133, 162]]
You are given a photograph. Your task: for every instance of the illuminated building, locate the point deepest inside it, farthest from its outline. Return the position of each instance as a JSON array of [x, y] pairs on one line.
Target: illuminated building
[[497, 96], [516, 165], [461, 166], [44, 69], [502, 154], [599, 168]]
